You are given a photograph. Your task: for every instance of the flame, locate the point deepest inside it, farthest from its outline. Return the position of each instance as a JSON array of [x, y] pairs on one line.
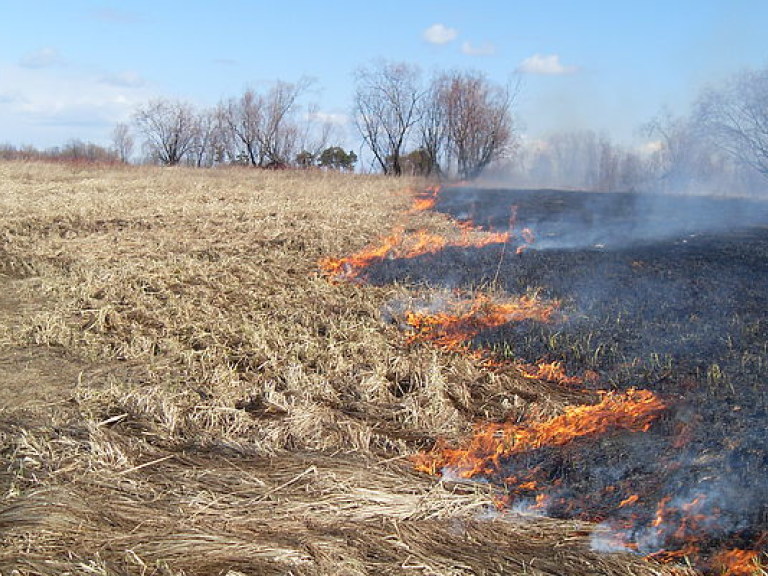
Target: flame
[[678, 525], [463, 320], [400, 244], [633, 410], [528, 236], [425, 200], [737, 562], [629, 500], [550, 372]]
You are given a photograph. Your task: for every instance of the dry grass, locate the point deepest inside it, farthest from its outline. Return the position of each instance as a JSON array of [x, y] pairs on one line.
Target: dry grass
[[207, 402]]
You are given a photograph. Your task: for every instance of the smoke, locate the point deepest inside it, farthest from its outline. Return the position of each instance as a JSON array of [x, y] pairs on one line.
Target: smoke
[[666, 293], [568, 220]]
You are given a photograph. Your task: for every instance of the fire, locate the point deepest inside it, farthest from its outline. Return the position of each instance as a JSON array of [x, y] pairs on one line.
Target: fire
[[463, 320], [550, 372], [426, 199], [667, 528], [629, 500], [737, 562], [482, 455], [400, 244]]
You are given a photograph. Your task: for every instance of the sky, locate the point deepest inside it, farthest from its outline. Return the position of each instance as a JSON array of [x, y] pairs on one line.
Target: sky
[[73, 69]]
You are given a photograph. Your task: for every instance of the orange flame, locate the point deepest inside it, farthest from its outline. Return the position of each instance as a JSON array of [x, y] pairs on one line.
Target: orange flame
[[633, 410], [464, 320], [737, 562], [402, 245], [426, 199], [550, 372]]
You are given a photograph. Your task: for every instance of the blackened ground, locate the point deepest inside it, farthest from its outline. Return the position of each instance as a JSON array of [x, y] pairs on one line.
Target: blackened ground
[[663, 293]]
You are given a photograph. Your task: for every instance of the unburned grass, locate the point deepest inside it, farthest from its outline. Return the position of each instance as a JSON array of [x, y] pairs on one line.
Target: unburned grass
[[226, 407]]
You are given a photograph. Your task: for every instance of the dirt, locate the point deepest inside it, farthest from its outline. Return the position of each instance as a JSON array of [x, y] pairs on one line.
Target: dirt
[[36, 383]]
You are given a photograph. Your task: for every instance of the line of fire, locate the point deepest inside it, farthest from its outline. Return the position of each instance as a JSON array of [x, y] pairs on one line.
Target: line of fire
[[656, 308]]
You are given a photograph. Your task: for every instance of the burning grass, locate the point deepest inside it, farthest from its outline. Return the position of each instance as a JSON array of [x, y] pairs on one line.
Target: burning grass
[[184, 392], [667, 294]]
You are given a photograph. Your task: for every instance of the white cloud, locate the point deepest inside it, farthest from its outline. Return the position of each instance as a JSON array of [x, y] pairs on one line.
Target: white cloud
[[486, 49], [49, 106], [440, 34], [545, 64], [333, 118], [127, 79], [43, 58]]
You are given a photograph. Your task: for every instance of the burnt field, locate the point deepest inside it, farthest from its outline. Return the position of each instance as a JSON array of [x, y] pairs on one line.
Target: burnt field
[[666, 294]]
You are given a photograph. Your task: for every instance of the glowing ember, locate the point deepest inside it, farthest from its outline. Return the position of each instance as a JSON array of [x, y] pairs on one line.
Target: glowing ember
[[633, 410]]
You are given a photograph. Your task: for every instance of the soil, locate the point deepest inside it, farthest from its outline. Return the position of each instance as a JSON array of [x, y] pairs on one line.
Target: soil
[[36, 383]]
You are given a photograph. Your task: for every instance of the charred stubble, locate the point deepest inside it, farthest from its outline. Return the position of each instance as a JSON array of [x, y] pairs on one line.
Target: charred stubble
[[666, 294]]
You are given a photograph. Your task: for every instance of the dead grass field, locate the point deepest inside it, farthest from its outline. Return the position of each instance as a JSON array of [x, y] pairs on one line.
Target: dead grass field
[[183, 392]]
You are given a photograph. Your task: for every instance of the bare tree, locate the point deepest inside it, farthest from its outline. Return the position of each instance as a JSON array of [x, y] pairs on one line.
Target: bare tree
[[386, 108], [169, 128], [314, 137], [263, 127], [243, 118], [208, 145], [684, 158], [479, 121], [280, 132], [736, 117], [122, 141], [433, 128]]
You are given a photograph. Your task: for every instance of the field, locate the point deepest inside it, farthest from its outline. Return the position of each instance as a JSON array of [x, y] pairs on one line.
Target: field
[[216, 372]]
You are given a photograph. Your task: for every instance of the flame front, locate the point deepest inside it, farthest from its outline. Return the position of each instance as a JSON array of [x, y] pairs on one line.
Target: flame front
[[737, 562], [491, 443], [463, 320], [400, 244]]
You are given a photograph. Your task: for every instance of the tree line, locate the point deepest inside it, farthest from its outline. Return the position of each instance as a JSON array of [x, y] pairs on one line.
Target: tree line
[[454, 124], [457, 124], [720, 144]]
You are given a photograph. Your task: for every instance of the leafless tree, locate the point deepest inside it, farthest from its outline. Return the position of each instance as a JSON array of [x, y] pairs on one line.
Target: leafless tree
[[735, 116], [386, 109], [243, 117], [281, 132], [315, 135], [122, 141], [209, 142], [433, 128], [479, 121], [263, 127], [169, 128], [684, 157]]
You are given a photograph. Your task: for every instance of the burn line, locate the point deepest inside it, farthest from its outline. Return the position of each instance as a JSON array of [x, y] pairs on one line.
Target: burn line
[[482, 454]]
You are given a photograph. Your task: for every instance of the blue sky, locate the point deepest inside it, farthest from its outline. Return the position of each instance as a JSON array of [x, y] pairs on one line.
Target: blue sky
[[72, 69]]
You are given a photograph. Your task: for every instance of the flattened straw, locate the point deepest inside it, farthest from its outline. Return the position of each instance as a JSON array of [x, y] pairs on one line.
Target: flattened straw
[[310, 470], [146, 464]]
